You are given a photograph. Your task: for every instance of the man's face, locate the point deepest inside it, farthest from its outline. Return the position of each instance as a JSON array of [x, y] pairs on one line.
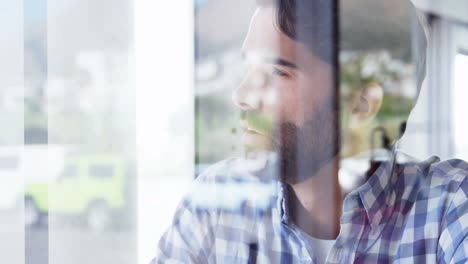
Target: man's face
[[286, 100]]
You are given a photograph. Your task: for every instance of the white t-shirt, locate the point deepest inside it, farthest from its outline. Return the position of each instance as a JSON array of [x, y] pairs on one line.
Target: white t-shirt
[[320, 247]]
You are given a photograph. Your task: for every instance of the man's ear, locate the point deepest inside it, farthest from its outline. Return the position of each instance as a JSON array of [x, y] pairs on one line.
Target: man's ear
[[365, 105]]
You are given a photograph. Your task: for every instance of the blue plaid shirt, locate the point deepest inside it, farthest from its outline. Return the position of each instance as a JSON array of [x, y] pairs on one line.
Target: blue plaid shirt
[[416, 213]]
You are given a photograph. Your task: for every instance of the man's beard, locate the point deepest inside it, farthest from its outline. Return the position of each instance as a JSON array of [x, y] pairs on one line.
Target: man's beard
[[303, 151]]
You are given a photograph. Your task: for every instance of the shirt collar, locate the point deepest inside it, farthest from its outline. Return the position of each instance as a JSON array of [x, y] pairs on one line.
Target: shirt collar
[[374, 196], [378, 195]]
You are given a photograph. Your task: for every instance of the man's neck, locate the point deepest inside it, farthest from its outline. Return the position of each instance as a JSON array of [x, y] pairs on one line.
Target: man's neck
[[315, 204]]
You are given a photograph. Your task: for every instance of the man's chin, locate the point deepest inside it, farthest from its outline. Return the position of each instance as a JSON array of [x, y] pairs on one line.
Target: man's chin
[[254, 142]]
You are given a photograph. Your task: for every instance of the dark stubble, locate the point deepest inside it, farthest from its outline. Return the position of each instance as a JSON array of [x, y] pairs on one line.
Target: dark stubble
[[302, 151]]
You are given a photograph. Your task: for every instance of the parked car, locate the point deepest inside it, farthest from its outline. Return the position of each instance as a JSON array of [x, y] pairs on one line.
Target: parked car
[[95, 187], [24, 164]]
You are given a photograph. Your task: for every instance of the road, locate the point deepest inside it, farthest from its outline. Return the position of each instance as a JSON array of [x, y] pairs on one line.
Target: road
[[64, 245], [57, 244]]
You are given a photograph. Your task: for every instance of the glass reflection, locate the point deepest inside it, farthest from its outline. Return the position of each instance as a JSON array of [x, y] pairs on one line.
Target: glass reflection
[[321, 175]]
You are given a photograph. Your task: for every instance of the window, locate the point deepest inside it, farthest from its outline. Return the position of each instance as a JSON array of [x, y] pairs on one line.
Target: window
[[460, 94], [135, 117]]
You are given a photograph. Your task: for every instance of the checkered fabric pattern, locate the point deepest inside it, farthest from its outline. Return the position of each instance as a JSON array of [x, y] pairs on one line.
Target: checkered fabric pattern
[[416, 213]]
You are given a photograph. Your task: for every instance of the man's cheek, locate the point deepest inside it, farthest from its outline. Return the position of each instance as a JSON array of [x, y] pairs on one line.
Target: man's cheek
[[256, 142], [288, 108], [270, 98]]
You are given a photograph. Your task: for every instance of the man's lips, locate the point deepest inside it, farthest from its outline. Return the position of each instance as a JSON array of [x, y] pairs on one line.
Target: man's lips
[[248, 129], [253, 139]]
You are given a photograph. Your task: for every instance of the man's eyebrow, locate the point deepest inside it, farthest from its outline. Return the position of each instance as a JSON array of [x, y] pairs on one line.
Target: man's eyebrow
[[282, 62], [270, 60]]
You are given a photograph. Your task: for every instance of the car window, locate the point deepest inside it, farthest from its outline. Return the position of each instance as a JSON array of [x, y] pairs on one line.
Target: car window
[[101, 171], [70, 171], [8, 163]]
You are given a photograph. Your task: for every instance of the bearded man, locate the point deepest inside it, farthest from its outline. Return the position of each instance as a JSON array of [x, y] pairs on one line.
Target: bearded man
[[282, 202]]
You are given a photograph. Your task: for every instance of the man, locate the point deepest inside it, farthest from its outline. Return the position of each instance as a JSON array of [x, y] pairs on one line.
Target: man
[[281, 204]]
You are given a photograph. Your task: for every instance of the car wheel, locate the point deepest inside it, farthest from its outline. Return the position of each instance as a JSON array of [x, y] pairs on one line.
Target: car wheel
[[31, 213], [98, 217]]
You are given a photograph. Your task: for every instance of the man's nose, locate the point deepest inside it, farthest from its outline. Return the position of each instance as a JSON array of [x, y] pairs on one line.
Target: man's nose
[[247, 96]]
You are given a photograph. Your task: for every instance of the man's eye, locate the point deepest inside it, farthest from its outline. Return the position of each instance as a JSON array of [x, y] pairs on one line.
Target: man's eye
[[279, 72]]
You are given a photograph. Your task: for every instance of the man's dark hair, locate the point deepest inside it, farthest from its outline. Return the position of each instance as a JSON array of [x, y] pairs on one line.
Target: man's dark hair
[[315, 24], [311, 22]]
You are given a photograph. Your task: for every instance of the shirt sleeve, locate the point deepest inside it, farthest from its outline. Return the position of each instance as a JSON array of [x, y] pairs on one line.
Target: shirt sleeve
[[461, 253], [454, 237], [188, 239]]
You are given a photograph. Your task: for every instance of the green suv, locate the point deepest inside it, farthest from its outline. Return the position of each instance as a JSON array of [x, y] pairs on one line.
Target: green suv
[[96, 187]]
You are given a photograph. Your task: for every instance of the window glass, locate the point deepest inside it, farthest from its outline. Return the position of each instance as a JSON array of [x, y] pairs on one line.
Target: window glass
[[221, 131], [460, 128], [326, 108], [86, 104], [12, 91]]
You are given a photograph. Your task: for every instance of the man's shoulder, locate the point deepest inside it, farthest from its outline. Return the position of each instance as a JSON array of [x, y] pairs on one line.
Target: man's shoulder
[[447, 175], [436, 182], [447, 198]]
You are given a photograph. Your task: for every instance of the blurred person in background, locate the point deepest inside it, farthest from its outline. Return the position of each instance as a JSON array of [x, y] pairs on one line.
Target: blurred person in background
[[415, 212]]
